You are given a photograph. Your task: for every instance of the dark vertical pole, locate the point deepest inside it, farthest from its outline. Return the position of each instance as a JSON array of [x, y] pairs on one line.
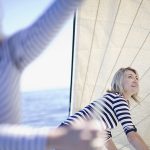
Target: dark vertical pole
[[72, 61]]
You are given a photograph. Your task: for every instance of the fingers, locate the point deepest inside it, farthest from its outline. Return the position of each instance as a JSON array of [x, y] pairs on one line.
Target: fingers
[[91, 132], [84, 135], [91, 125], [89, 129]]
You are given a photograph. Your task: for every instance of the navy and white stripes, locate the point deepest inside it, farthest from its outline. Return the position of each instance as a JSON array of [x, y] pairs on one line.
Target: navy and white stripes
[[109, 110], [17, 51], [22, 48], [23, 138]]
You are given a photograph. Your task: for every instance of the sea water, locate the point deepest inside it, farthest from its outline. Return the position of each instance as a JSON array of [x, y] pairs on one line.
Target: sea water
[[45, 108]]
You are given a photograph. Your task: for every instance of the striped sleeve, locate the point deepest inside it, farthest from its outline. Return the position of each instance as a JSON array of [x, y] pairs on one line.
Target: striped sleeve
[[100, 109], [93, 111], [84, 114], [27, 44], [23, 138], [123, 115]]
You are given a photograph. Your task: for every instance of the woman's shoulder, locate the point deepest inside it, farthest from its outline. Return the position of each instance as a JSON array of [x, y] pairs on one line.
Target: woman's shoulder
[[116, 98], [113, 95], [110, 97]]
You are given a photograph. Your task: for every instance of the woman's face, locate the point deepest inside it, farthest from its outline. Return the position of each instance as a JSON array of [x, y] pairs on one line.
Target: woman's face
[[130, 83]]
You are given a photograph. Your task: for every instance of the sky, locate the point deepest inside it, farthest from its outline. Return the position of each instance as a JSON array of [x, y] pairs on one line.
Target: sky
[[52, 69]]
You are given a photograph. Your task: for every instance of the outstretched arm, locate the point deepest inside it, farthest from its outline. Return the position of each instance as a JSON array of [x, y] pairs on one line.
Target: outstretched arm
[[83, 136], [28, 43], [136, 141], [124, 117]]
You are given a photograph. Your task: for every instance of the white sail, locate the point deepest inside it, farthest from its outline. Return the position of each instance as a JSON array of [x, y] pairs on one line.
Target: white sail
[[111, 34]]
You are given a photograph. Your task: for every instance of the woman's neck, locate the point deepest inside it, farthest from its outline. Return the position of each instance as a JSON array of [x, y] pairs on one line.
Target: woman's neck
[[126, 96]]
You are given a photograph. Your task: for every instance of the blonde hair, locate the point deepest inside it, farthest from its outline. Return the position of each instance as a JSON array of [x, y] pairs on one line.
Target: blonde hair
[[116, 84]]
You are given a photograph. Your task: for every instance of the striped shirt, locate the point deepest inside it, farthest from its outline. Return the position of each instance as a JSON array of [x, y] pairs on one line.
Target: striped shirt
[[13, 137], [109, 110], [19, 50]]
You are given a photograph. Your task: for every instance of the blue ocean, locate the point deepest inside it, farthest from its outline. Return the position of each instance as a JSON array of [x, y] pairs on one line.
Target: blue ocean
[[45, 108]]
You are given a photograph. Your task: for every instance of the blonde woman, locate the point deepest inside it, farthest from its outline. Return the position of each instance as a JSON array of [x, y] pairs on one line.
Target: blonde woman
[[113, 107]]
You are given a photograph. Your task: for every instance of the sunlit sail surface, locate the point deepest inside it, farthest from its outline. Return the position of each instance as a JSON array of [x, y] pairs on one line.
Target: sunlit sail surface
[[111, 34]]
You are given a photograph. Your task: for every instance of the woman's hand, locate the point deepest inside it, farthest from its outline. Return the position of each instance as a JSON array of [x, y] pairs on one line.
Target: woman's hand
[[80, 136]]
